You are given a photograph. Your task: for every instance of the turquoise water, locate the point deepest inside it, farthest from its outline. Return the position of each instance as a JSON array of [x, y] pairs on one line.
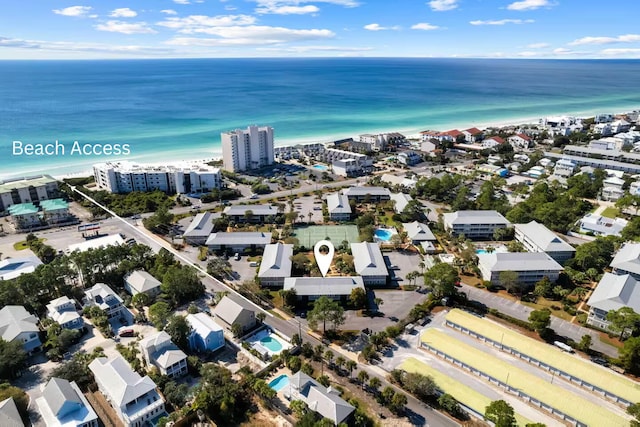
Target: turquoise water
[[321, 167], [481, 251], [382, 234], [271, 344], [279, 383], [172, 109]]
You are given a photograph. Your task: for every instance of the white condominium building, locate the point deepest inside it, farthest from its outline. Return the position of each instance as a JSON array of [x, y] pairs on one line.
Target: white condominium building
[[185, 178], [247, 149]]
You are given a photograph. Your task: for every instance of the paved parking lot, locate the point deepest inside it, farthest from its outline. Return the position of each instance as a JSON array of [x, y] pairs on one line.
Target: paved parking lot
[[305, 205], [406, 263]]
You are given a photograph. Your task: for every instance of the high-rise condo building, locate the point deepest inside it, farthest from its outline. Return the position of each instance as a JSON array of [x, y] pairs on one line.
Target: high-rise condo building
[[247, 149]]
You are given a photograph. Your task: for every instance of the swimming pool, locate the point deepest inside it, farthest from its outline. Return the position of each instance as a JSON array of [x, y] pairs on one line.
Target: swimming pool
[[321, 167], [271, 343], [383, 234], [279, 383]]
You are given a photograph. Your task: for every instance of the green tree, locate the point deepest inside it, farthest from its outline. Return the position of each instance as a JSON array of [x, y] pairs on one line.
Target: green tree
[[220, 396], [298, 407], [596, 254], [301, 263], [398, 402], [543, 288], [634, 410], [140, 300], [442, 278], [374, 384], [629, 355], [351, 365], [585, 343], [20, 398], [159, 313], [363, 377], [540, 320], [325, 310], [289, 297], [237, 329], [510, 281], [176, 394], [179, 330], [358, 298], [12, 358], [181, 284], [500, 413], [450, 405], [623, 320]]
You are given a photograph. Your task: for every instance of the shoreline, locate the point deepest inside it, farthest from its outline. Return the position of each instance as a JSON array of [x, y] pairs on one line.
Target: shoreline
[[216, 153]]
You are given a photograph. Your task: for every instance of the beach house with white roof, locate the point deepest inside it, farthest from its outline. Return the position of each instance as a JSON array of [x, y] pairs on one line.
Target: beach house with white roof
[[602, 226], [158, 350], [531, 267], [97, 243], [139, 281], [62, 404], [206, 334], [238, 241], [325, 401], [10, 268], [17, 324], [135, 399], [401, 201], [420, 234], [535, 237], [372, 194], [63, 311], [475, 224], [9, 413], [613, 292], [275, 265], [228, 313], [103, 296], [612, 188], [311, 288], [369, 263], [338, 207], [259, 213], [199, 230], [627, 260]]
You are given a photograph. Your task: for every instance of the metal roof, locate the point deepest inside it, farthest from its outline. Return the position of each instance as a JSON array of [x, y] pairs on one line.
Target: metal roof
[[258, 210], [363, 191], [338, 204], [61, 397], [9, 414], [614, 292], [14, 320], [418, 231], [276, 261], [121, 382], [475, 217], [543, 238], [142, 281], [317, 286], [34, 181], [229, 310], [368, 259], [202, 225], [324, 401], [628, 258], [402, 200], [239, 238], [518, 261]]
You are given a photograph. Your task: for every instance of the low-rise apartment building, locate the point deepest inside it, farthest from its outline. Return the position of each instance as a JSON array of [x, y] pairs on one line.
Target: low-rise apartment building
[[535, 237], [531, 267], [475, 224]]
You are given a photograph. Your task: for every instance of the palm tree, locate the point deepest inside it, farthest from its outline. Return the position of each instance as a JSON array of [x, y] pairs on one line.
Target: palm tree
[[374, 384], [310, 215], [363, 377], [328, 355], [351, 365], [421, 265], [378, 302], [301, 217], [340, 361]]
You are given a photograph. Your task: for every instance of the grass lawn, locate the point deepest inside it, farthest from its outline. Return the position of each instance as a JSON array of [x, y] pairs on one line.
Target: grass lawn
[[548, 354], [611, 212], [543, 303], [461, 392], [550, 394], [20, 246]]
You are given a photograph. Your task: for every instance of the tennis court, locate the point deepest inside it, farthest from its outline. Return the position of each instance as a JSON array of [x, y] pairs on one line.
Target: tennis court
[[537, 388], [309, 236], [551, 356]]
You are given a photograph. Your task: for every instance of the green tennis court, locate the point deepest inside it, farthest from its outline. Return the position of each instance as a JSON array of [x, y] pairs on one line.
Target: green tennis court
[[309, 236]]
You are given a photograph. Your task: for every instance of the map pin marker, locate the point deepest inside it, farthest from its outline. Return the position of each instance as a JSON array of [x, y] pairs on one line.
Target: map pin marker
[[323, 260]]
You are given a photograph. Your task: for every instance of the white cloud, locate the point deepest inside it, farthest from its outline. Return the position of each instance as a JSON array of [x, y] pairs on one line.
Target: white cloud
[[528, 4], [424, 26], [169, 12], [502, 22], [275, 9], [305, 49], [377, 27], [250, 35], [6, 42], [564, 51], [73, 11], [621, 52], [626, 38], [181, 1], [537, 45], [126, 27], [201, 23], [528, 54], [123, 12], [443, 5]]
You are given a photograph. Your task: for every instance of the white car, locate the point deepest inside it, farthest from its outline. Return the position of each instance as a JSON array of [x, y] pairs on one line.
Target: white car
[[253, 196]]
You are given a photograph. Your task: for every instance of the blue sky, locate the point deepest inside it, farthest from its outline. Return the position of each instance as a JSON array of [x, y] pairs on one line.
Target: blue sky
[[87, 29]]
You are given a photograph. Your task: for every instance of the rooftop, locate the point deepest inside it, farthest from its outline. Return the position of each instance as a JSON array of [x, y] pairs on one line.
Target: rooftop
[[121, 382], [9, 414], [418, 231], [544, 238], [475, 217], [34, 181], [10, 268], [239, 238], [402, 200], [22, 209], [14, 320], [363, 191], [142, 281], [519, 261], [203, 324], [627, 258], [338, 204], [202, 225], [276, 261], [258, 210], [614, 292], [54, 205], [324, 401], [100, 242], [229, 310], [314, 286], [368, 259]]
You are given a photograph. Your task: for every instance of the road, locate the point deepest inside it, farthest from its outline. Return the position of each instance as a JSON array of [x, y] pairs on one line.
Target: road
[[519, 311], [420, 414]]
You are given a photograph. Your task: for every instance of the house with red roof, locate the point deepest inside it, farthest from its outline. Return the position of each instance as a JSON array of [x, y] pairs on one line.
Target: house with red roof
[[450, 135], [492, 142], [520, 141], [428, 135], [472, 135]]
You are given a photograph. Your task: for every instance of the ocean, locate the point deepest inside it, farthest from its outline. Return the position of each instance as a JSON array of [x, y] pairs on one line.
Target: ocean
[[176, 108]]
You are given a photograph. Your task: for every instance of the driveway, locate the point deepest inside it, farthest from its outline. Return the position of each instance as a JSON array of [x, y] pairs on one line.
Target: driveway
[[515, 309]]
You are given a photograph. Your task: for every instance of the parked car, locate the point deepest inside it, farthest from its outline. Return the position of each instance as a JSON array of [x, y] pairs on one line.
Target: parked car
[[127, 333], [236, 256], [253, 264], [600, 361]]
